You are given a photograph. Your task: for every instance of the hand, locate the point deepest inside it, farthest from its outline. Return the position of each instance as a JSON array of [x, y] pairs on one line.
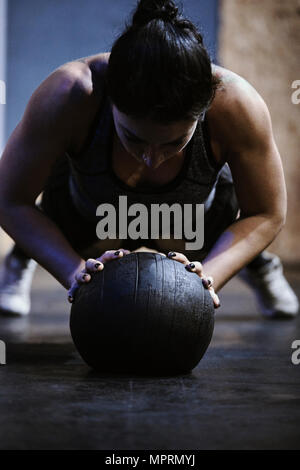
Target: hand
[[196, 267], [92, 266]]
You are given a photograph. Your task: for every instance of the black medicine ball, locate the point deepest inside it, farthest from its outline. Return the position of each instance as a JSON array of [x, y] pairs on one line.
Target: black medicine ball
[[143, 314]]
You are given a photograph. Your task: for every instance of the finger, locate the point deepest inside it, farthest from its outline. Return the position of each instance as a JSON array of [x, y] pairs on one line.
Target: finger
[[162, 254], [82, 277], [112, 254], [207, 281], [178, 257], [93, 265], [215, 297], [126, 252], [72, 291], [195, 267]]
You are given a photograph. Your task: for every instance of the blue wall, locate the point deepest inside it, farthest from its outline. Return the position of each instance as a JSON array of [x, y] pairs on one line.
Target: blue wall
[[43, 34]]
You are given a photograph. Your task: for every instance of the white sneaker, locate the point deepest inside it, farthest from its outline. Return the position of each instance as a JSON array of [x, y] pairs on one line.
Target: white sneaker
[[15, 283], [274, 295]]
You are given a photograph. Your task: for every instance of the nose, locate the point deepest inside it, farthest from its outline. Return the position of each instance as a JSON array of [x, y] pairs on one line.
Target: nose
[[153, 158]]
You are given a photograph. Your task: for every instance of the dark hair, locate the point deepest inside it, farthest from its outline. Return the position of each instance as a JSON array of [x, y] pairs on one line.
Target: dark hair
[[159, 67]]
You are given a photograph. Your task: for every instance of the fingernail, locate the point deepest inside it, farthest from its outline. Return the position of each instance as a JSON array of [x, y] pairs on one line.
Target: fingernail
[[85, 276], [172, 254], [117, 253], [190, 267], [70, 299], [97, 265], [204, 282]]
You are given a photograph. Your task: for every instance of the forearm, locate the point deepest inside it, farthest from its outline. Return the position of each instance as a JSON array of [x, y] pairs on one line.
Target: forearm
[[41, 239], [238, 245]]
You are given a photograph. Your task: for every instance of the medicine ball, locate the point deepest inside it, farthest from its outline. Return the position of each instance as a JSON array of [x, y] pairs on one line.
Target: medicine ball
[[144, 314]]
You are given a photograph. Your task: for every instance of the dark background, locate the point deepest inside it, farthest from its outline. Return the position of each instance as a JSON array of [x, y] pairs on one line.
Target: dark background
[[42, 35]]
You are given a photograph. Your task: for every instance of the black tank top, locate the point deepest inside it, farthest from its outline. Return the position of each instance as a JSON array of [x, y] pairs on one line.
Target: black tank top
[[92, 180]]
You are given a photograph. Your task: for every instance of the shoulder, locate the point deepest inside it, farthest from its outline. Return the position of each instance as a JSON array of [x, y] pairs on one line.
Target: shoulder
[[238, 112], [66, 102], [72, 86], [85, 75]]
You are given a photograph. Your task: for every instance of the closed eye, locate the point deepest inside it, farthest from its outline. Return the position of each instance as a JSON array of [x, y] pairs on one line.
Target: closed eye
[[138, 141], [133, 139]]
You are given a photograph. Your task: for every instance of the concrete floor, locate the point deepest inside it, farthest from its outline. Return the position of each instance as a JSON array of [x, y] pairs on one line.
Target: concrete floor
[[244, 394]]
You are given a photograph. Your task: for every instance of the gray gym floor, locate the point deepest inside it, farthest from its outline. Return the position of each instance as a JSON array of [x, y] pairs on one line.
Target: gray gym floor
[[244, 394]]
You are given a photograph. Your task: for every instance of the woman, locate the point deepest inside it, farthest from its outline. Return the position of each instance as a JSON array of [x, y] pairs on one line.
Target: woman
[[154, 121]]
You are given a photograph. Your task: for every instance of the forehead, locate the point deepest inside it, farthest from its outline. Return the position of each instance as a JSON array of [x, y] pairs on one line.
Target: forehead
[[147, 128]]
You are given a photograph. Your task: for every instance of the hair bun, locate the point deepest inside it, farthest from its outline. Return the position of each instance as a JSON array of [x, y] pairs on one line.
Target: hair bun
[[148, 10]]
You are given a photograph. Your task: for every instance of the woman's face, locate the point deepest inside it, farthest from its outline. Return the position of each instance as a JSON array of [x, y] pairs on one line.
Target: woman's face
[[151, 143]]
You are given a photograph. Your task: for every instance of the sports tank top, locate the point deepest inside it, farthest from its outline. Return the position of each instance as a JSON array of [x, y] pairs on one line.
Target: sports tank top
[[92, 180]]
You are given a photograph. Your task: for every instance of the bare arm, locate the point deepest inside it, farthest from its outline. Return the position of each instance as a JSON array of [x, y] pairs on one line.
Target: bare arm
[[43, 136], [258, 176]]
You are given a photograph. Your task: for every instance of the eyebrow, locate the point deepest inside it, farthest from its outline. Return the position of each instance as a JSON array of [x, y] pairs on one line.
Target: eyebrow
[[141, 140]]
